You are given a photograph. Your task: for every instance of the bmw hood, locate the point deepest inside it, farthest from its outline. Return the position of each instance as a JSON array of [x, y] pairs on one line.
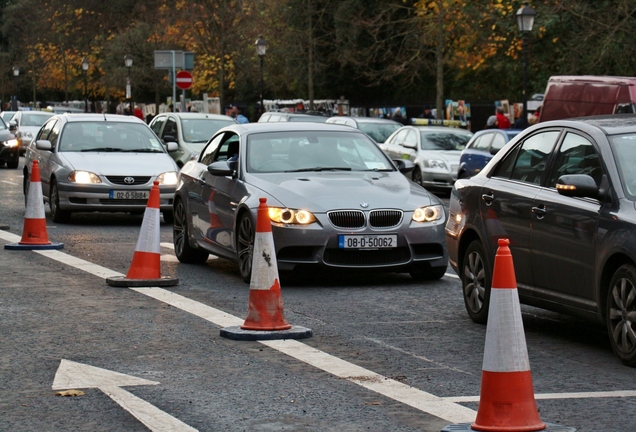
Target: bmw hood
[[146, 164], [323, 191]]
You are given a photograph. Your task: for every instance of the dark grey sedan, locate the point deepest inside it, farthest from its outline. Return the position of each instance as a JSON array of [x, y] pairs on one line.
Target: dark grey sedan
[[335, 202], [564, 193]]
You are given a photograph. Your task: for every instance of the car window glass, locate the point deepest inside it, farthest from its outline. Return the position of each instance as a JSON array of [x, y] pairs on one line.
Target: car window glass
[[498, 142], [208, 152], [54, 134], [481, 143], [228, 149], [576, 156], [411, 139], [2, 124], [378, 131], [400, 137], [156, 125], [531, 162], [624, 147], [170, 129], [444, 140], [44, 132]]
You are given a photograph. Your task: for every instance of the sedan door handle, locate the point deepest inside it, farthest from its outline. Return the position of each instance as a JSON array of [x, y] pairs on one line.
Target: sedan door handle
[[488, 198], [539, 211]]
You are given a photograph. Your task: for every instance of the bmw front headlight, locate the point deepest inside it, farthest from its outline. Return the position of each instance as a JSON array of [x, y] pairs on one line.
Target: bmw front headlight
[[168, 178], [428, 213], [291, 216], [84, 177]]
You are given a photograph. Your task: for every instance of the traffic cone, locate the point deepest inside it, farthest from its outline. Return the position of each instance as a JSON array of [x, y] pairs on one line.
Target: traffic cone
[[506, 402], [145, 269], [34, 235], [265, 318]]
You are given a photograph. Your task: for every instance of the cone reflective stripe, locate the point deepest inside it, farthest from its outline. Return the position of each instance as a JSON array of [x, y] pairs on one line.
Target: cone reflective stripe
[[34, 232], [146, 262], [506, 400], [265, 303]]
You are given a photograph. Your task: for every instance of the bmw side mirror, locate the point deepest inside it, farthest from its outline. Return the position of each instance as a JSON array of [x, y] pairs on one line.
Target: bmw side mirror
[[404, 165], [220, 168]]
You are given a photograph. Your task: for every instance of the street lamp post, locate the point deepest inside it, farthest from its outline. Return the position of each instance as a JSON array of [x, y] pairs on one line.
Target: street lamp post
[[525, 21], [261, 49], [14, 99], [85, 69], [128, 61]]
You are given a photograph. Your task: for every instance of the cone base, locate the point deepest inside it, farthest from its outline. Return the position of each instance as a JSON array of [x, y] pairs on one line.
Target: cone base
[[465, 427], [120, 281], [237, 333], [19, 246]]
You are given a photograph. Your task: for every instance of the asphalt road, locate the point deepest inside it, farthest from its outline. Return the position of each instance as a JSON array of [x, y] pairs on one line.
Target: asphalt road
[[387, 354]]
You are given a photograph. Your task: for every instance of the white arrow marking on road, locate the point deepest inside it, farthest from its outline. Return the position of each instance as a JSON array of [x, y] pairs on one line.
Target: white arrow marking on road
[[72, 375]]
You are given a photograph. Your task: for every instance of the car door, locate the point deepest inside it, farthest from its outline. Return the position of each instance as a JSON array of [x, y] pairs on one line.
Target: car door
[[508, 196], [392, 146], [564, 228], [47, 159]]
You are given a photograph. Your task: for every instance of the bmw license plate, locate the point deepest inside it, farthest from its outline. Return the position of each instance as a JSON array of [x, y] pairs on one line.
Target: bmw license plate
[[367, 241], [125, 195]]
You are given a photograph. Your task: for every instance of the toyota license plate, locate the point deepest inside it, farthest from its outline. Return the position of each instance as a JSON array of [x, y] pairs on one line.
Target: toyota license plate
[[129, 195], [367, 241]]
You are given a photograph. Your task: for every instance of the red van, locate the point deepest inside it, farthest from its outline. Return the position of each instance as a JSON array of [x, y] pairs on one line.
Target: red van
[[587, 95]]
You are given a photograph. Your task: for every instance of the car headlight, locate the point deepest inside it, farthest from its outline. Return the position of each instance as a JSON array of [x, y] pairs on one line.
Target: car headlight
[[11, 143], [428, 213], [84, 177], [436, 163], [290, 216], [194, 156], [167, 178]]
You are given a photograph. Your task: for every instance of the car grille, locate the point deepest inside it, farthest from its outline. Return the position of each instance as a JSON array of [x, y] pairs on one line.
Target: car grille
[[351, 219], [367, 257], [119, 180]]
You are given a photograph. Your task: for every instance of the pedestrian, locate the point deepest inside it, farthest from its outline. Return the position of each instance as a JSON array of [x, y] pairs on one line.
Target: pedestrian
[[137, 112], [398, 117], [491, 123], [427, 114], [502, 119], [238, 115]]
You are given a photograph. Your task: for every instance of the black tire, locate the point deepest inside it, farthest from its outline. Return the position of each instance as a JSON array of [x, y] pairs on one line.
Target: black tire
[[13, 164], [57, 215], [168, 216], [245, 246], [428, 274], [620, 314], [25, 186], [476, 280], [417, 175], [182, 249]]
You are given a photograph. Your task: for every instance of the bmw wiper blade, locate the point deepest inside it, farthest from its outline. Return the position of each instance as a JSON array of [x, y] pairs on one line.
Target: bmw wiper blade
[[102, 149], [143, 150], [322, 169]]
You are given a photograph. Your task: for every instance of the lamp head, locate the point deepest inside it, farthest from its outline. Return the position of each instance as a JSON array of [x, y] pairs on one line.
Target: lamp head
[[525, 17], [85, 64], [128, 60], [261, 46]]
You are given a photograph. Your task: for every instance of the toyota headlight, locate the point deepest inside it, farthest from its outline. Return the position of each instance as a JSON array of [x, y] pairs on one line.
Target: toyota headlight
[[11, 143], [436, 163], [291, 216], [167, 178], [84, 177], [428, 213]]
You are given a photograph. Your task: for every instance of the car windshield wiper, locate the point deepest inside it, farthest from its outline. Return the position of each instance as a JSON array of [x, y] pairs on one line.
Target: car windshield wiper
[[318, 168], [143, 150], [378, 169], [103, 149]]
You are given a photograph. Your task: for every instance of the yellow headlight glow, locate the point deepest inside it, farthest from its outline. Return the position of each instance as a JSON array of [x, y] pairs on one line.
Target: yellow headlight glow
[[428, 214], [167, 178], [290, 216], [84, 177]]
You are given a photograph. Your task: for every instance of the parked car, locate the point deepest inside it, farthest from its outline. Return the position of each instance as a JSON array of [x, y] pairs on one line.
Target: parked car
[[270, 117], [9, 152], [28, 124], [481, 148], [336, 202], [105, 163], [190, 130], [6, 116], [564, 193], [435, 151], [378, 129]]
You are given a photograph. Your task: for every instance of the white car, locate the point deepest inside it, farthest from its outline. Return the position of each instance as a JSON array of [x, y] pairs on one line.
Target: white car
[[434, 150], [28, 124], [190, 130]]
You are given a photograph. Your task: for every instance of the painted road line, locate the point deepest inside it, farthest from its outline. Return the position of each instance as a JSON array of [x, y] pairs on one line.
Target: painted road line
[[72, 375], [8, 182], [581, 395]]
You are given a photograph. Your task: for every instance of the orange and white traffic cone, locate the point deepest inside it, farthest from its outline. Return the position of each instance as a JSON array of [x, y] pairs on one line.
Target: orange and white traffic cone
[[506, 402], [34, 235], [265, 318], [145, 269]]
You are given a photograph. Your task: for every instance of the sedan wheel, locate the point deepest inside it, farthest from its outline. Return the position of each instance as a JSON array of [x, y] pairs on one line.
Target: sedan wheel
[[621, 314], [58, 215], [417, 175], [245, 246], [476, 283], [182, 249]]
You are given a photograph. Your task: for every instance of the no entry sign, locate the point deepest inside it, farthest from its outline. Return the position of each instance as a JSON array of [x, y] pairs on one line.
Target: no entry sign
[[184, 80]]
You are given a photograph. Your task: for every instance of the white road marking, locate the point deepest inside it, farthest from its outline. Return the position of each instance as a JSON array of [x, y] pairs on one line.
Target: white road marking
[[72, 375], [446, 408], [169, 258], [8, 182]]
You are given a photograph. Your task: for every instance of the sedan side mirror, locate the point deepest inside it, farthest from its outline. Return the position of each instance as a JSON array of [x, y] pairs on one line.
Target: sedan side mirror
[[172, 147], [404, 165], [577, 185], [407, 145], [13, 126], [220, 168], [169, 138], [43, 145]]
